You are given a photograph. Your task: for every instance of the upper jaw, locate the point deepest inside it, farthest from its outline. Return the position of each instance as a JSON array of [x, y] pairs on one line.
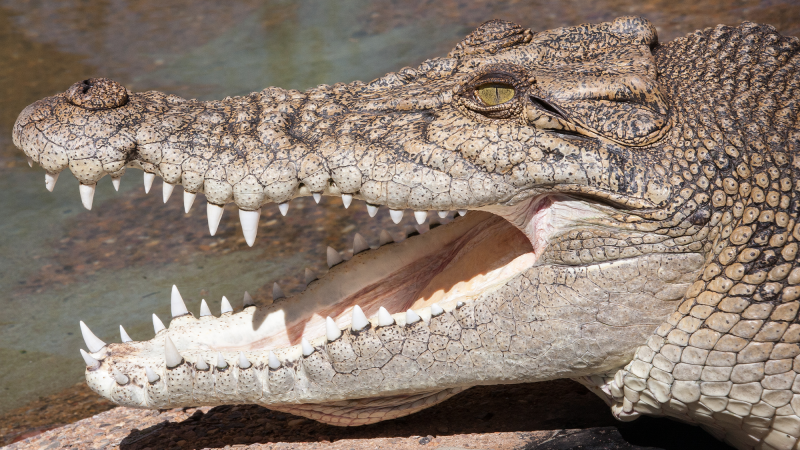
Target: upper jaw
[[277, 145]]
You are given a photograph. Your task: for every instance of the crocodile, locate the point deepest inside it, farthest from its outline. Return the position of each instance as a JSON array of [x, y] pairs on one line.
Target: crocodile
[[615, 210]]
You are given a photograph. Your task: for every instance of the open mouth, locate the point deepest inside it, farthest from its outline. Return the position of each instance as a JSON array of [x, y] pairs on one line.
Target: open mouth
[[449, 265], [483, 298], [452, 262]]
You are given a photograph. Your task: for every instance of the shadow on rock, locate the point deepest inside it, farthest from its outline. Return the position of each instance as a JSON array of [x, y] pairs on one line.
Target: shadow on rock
[[564, 413]]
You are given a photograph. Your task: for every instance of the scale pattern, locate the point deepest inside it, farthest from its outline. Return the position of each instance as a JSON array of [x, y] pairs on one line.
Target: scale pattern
[[729, 358]]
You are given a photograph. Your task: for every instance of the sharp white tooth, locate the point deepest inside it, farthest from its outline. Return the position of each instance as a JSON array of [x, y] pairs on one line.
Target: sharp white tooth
[[386, 238], [201, 364], [247, 300], [148, 181], [274, 364], [436, 310], [243, 362], [307, 348], [214, 213], [93, 343], [459, 304], [442, 214], [168, 188], [204, 311], [176, 303], [346, 200], [115, 183], [30, 162], [171, 355], [420, 216], [331, 330], [277, 292], [50, 181], [124, 335], [284, 208], [226, 306], [359, 244], [317, 197], [119, 377], [412, 317], [462, 212], [310, 276], [188, 200], [396, 215], [249, 221], [152, 377], [221, 363], [384, 318], [89, 360], [87, 195], [372, 210], [334, 257], [359, 320], [158, 325]]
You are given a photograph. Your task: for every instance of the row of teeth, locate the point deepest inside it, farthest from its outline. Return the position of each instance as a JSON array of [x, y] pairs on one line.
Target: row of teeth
[[249, 222], [173, 358], [248, 219]]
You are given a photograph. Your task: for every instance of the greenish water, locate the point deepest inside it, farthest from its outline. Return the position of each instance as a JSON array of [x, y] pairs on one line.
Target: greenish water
[[206, 49]]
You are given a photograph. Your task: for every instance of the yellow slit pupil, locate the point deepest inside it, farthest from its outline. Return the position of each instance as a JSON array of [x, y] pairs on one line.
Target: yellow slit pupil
[[495, 94]]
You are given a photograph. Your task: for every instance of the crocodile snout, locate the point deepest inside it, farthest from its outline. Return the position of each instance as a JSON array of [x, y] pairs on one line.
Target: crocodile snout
[[97, 94]]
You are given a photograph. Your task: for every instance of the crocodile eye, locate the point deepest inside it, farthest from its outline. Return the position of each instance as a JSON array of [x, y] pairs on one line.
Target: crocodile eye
[[493, 94]]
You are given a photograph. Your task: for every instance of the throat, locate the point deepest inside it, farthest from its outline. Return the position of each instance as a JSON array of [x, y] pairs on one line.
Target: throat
[[546, 216]]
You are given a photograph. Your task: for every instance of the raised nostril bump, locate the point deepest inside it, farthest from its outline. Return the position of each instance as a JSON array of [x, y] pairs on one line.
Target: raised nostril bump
[[97, 94]]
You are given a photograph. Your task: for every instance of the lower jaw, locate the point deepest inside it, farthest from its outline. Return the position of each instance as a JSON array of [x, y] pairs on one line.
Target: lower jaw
[[543, 329]]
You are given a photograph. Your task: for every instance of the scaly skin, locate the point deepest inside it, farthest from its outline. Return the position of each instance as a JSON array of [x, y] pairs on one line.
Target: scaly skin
[[642, 236]]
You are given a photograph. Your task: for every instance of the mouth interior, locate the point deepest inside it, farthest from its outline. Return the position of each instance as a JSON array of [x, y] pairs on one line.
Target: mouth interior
[[455, 262]]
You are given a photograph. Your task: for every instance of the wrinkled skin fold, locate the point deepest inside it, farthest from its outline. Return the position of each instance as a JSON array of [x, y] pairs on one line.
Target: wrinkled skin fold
[[632, 225]]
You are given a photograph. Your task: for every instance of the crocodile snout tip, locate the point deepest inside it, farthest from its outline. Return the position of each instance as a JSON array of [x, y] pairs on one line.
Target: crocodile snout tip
[[97, 94]]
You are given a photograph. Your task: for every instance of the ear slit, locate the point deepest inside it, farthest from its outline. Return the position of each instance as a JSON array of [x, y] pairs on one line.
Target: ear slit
[[549, 107]]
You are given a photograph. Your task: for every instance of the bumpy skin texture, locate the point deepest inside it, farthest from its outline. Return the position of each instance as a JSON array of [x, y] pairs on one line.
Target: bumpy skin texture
[[680, 299]]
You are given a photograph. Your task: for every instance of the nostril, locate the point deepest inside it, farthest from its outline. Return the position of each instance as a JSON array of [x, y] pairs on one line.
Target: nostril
[[97, 94]]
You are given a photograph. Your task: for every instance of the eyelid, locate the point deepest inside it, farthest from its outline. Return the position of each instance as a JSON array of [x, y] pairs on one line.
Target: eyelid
[[504, 103]]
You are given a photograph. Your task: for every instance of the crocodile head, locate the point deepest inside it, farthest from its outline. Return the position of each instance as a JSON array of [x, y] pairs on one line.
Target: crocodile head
[[581, 237]]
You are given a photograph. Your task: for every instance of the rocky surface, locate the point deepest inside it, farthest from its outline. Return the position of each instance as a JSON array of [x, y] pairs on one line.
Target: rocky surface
[[70, 405], [551, 415]]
